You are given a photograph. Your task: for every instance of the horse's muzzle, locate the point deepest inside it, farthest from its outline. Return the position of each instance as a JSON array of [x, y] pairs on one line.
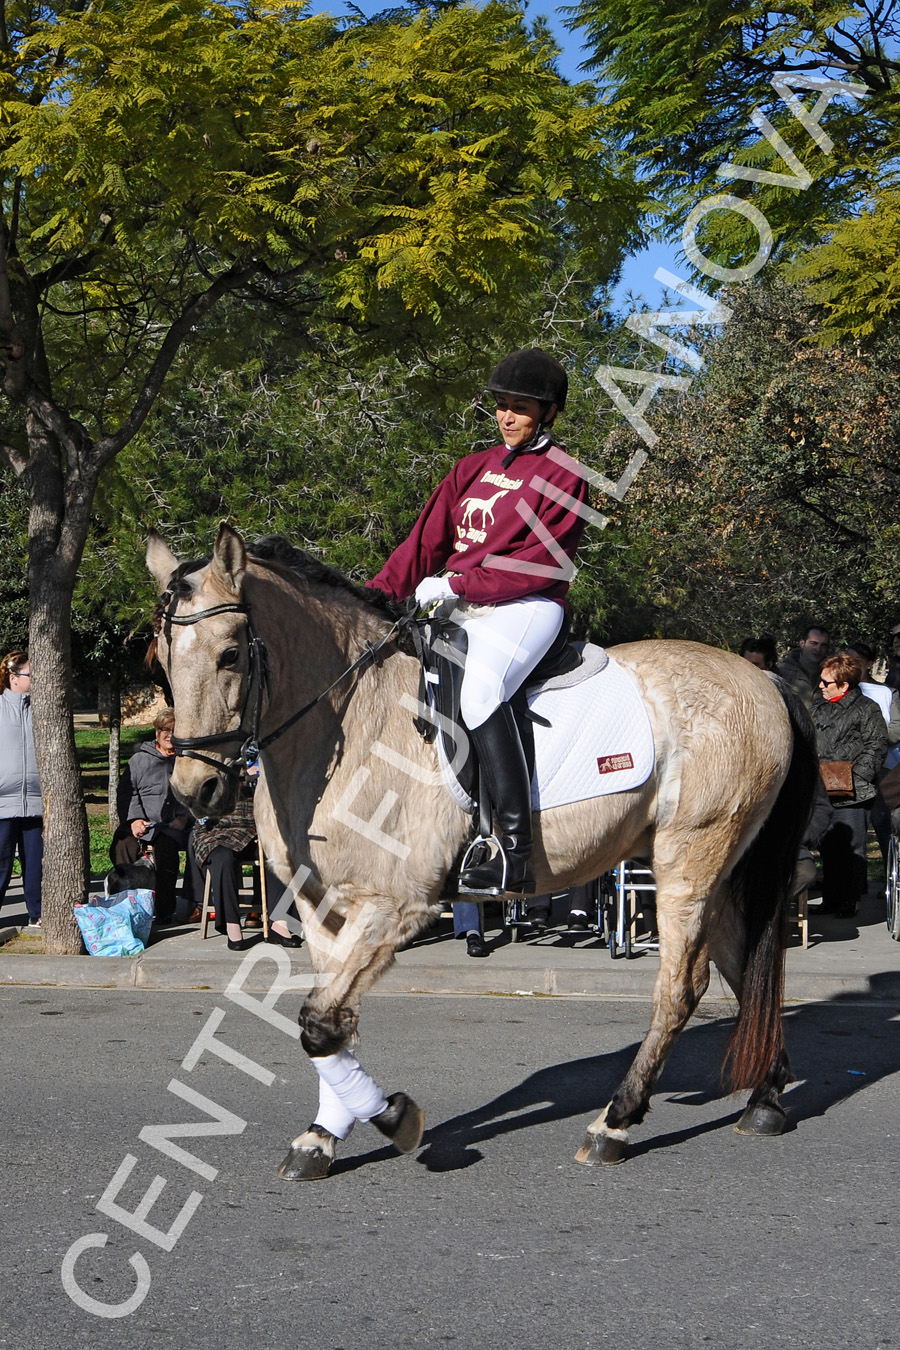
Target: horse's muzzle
[[204, 791]]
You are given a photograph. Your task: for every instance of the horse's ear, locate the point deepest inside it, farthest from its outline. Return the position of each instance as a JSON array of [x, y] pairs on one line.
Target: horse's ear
[[160, 560], [229, 559]]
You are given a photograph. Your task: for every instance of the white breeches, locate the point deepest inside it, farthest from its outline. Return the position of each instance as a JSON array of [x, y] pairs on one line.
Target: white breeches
[[505, 644], [346, 1093]]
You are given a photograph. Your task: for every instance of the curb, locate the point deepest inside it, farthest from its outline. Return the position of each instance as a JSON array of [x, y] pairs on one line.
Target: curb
[[633, 981]]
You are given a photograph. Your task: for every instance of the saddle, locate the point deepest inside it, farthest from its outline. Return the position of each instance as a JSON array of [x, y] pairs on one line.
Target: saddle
[[441, 646]]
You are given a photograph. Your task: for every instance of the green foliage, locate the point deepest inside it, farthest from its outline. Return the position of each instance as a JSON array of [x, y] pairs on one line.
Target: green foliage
[[386, 173], [855, 273], [684, 80], [770, 498], [13, 564]]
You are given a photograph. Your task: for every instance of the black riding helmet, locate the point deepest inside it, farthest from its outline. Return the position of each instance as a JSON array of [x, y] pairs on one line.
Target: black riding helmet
[[531, 373]]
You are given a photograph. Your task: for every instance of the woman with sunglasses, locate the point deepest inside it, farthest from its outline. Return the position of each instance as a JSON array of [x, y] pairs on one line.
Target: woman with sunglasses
[[849, 727]]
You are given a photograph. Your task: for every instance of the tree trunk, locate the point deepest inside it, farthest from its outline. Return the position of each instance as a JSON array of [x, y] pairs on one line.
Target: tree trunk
[[115, 737], [66, 848], [58, 525]]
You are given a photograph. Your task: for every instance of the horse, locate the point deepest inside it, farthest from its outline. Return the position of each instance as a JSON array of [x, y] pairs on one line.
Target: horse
[[273, 654]]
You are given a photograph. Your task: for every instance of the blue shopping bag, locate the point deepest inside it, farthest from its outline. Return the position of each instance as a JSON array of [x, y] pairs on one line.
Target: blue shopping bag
[[116, 925]]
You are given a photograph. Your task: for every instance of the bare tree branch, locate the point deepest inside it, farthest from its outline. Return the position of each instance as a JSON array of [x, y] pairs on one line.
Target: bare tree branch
[[107, 447]]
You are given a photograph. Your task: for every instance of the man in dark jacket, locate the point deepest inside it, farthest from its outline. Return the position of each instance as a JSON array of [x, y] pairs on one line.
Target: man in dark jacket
[[849, 727], [150, 814], [801, 667]]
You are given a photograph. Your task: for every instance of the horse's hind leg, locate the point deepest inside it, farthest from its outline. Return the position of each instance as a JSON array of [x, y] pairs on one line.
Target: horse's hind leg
[[681, 983], [763, 1115], [348, 959]]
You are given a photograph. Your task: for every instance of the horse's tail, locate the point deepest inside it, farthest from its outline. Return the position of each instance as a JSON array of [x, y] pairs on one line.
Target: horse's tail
[[761, 889]]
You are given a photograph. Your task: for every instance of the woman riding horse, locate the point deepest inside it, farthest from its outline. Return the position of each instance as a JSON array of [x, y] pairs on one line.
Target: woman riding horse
[[506, 582]]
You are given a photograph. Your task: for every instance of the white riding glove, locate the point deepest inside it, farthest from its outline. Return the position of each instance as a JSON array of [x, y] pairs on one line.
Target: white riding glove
[[432, 590]]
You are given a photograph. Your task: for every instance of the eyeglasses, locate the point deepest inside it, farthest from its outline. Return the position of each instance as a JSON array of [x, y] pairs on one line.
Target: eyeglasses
[[21, 674]]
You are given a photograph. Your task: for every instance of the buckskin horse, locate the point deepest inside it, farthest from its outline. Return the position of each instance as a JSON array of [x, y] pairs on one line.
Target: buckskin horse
[[271, 652]]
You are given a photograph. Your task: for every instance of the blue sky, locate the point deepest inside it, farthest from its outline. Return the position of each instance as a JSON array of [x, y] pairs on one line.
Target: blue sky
[[637, 273]]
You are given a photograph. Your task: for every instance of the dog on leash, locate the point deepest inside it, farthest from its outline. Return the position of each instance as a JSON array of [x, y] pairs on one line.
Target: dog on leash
[[137, 876]]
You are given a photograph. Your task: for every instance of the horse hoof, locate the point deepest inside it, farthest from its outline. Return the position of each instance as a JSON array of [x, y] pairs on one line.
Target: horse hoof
[[305, 1164], [402, 1122], [765, 1119], [310, 1156], [601, 1150]]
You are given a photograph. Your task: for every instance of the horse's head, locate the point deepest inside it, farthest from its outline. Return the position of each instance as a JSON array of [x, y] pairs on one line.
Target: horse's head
[[203, 640]]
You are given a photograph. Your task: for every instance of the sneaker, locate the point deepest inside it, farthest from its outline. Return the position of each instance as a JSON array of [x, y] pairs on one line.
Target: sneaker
[[33, 926]]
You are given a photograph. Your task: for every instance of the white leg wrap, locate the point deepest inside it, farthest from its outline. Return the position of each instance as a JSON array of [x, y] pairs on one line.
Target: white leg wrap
[[353, 1089], [332, 1114]]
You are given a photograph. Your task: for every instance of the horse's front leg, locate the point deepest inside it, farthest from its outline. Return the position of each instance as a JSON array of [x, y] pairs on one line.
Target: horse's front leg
[[347, 959]]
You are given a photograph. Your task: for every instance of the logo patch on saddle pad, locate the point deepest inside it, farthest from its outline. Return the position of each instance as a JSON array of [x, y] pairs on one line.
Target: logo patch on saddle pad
[[614, 763]]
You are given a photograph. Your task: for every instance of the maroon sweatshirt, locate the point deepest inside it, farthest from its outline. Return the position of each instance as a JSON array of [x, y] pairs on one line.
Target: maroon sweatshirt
[[482, 518]]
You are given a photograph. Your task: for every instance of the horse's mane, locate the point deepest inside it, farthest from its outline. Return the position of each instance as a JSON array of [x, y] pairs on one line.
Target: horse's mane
[[273, 550]]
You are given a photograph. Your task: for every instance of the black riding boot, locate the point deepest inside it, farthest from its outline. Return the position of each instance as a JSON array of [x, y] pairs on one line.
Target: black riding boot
[[502, 759]]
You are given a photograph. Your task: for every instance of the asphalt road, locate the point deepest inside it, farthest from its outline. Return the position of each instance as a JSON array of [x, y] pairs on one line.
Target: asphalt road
[[492, 1236]]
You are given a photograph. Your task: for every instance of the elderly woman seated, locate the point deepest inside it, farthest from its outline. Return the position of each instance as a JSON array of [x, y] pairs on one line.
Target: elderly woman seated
[[219, 847], [150, 814]]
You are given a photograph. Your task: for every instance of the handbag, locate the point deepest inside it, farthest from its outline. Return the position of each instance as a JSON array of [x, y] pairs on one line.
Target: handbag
[[837, 775]]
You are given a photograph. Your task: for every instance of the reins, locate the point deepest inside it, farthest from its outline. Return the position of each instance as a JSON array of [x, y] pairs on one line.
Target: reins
[[239, 766]]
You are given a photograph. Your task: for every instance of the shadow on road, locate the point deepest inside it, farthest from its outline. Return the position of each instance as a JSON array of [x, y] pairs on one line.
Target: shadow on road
[[837, 1049]]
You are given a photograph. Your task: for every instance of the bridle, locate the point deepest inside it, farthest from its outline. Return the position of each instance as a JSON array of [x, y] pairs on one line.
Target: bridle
[[240, 765]]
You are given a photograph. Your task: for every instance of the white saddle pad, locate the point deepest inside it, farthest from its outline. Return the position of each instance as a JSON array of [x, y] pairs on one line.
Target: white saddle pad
[[599, 741]]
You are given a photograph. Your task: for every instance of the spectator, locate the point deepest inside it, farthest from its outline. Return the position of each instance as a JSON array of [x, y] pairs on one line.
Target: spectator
[[892, 679], [150, 814], [468, 924], [759, 652], [582, 907], [888, 701], [21, 808], [219, 847], [849, 727], [801, 667]]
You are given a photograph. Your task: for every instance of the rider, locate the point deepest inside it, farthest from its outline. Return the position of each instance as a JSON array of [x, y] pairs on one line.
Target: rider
[[498, 536]]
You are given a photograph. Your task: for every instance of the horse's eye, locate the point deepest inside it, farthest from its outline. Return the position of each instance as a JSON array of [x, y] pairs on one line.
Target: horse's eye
[[229, 657]]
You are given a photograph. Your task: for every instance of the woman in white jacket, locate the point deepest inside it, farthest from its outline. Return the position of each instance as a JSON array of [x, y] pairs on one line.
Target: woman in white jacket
[[21, 808]]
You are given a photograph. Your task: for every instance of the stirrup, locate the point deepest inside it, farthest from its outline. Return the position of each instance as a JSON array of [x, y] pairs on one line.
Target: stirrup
[[467, 861], [493, 891]]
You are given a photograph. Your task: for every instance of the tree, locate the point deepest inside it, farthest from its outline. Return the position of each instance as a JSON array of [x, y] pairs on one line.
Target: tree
[[769, 500], [372, 186], [686, 83]]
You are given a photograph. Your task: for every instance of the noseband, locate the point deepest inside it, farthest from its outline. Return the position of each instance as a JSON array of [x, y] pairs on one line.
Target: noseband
[[239, 766]]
